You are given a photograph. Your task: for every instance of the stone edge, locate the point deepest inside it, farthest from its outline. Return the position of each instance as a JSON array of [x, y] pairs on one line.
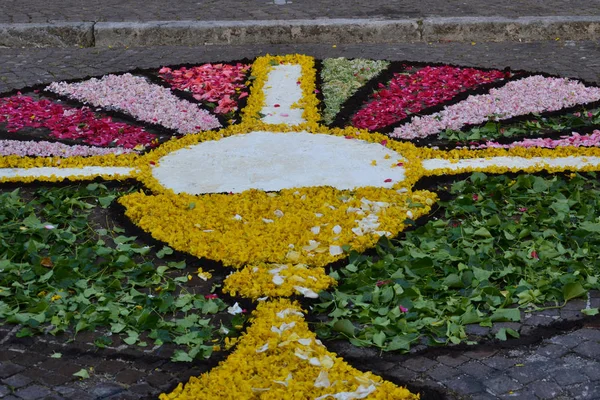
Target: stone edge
[[335, 31]]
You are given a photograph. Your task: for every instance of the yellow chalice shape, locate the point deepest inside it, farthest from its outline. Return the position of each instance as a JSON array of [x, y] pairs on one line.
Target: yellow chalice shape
[[278, 197]]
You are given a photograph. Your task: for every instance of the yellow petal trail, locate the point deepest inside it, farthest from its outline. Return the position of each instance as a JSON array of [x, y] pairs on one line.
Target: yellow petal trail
[[280, 358]]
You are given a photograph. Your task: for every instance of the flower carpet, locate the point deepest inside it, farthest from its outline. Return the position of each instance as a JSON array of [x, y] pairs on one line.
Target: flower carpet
[[476, 187]]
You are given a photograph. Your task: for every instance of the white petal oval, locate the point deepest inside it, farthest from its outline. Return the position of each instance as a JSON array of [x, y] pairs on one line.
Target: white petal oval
[[273, 161]]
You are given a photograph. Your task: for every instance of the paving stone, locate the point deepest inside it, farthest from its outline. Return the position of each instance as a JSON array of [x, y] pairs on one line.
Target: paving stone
[[529, 372], [452, 360], [539, 320], [552, 350], [53, 379], [502, 384], [568, 376], [483, 396], [589, 391], [570, 315], [588, 334], [17, 381], [7, 355], [508, 325], [111, 367], [34, 392], [589, 349], [443, 372], [545, 389], [402, 374], [476, 369], [54, 397], [419, 364], [65, 367], [106, 389], [477, 330], [575, 305], [124, 396], [29, 359], [464, 384], [7, 369], [159, 380], [480, 353], [499, 362], [142, 389], [129, 376], [592, 371], [78, 394], [4, 390], [570, 340]]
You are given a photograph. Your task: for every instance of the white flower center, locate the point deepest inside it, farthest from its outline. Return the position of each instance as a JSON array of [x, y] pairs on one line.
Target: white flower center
[[273, 161]]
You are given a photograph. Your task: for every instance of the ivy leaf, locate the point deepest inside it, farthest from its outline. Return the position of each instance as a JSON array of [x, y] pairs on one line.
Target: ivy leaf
[[590, 311], [573, 290], [379, 338], [402, 342], [181, 356], [502, 332], [590, 226], [344, 326], [82, 373]]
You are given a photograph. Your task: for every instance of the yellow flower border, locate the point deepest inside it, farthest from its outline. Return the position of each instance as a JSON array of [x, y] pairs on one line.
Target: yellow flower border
[[279, 358]]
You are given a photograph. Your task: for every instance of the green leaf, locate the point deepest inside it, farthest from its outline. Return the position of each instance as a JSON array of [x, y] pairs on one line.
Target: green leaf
[[590, 226], [539, 185], [132, 338], [590, 311], [379, 339], [82, 373], [344, 326], [482, 232], [56, 355], [501, 334], [573, 290], [481, 274], [507, 314], [402, 341], [181, 356], [164, 251], [117, 327], [106, 201]]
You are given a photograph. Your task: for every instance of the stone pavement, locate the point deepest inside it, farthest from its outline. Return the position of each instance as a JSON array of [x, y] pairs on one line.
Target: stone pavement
[[41, 11], [37, 23], [551, 362]]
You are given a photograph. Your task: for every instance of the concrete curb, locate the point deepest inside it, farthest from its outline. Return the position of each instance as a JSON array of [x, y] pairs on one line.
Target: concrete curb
[[60, 34], [195, 33]]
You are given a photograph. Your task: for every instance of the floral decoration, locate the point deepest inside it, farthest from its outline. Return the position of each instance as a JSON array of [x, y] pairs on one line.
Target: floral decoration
[[54, 149], [534, 94], [416, 89], [19, 112], [279, 243], [220, 84], [134, 95], [342, 77], [280, 358]]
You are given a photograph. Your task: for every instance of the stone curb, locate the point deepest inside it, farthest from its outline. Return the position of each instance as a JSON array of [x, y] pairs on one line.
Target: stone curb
[[335, 31], [60, 34]]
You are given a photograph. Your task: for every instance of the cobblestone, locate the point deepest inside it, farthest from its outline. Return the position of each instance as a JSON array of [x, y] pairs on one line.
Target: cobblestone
[[29, 11]]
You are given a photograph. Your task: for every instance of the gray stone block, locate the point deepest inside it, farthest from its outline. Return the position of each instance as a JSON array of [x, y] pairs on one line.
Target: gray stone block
[[193, 33], [498, 29], [60, 34]]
